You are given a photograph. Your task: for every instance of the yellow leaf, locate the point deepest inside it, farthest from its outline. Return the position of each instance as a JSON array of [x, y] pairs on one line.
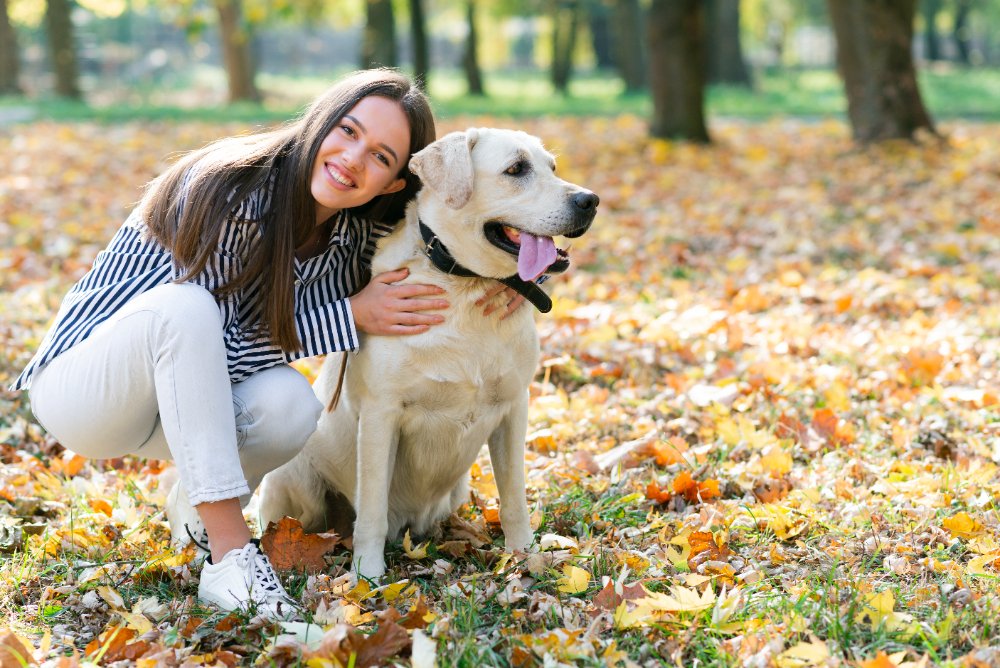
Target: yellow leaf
[[838, 398], [776, 461], [962, 525], [978, 565], [393, 591], [680, 599], [136, 621], [623, 619], [812, 653], [361, 591], [575, 580], [112, 597], [419, 552]]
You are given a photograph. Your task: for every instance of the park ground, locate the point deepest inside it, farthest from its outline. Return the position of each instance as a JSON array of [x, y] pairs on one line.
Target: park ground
[[765, 430]]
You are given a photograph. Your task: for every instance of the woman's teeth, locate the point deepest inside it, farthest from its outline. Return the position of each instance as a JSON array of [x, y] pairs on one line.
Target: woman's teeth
[[343, 180]]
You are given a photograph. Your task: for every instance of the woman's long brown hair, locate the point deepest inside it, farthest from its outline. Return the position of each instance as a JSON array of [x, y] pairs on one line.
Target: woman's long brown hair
[[188, 217]]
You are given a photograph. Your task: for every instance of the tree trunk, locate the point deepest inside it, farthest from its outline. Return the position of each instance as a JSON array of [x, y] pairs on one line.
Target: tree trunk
[[874, 58], [378, 45], [677, 69], [630, 51], [236, 53], [62, 48], [963, 39], [421, 50], [600, 35], [565, 18], [470, 57], [725, 52], [10, 65], [932, 45]]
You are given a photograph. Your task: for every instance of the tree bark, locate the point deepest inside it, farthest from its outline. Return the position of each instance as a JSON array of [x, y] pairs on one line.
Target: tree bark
[[932, 45], [62, 48], [565, 19], [629, 44], [677, 69], [378, 45], [421, 49], [470, 57], [10, 64], [599, 16], [725, 53], [237, 57], [960, 31], [874, 58]]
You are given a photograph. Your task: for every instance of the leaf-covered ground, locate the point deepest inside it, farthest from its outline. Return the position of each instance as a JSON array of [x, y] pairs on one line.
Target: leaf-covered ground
[[765, 430]]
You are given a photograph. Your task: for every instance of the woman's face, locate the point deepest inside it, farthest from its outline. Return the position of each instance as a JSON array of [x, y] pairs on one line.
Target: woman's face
[[361, 157]]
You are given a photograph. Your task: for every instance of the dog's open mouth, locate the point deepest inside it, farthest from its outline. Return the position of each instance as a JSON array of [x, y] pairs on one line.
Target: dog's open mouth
[[536, 255]]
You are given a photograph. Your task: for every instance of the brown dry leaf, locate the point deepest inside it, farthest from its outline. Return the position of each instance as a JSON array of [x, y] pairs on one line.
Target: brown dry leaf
[[347, 645], [110, 645], [13, 651], [289, 547], [768, 490]]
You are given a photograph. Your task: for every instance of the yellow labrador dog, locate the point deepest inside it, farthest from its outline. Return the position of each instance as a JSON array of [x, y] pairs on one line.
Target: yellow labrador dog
[[416, 410]]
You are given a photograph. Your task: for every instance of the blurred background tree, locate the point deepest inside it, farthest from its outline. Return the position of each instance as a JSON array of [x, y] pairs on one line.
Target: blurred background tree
[[677, 62]]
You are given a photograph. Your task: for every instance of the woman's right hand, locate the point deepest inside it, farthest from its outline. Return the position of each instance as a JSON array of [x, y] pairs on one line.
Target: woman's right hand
[[382, 307]]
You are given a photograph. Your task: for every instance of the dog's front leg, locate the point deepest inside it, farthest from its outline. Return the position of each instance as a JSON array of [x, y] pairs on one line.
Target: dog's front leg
[[378, 437], [507, 456]]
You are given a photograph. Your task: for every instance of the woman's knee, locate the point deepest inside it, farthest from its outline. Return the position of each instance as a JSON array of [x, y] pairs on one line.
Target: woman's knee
[[184, 308], [278, 411]]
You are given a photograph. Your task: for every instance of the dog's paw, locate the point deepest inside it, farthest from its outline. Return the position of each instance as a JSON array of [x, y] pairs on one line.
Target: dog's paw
[[517, 540], [369, 566]]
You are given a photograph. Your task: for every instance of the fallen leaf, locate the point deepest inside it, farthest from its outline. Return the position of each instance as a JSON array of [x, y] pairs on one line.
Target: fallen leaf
[[289, 547]]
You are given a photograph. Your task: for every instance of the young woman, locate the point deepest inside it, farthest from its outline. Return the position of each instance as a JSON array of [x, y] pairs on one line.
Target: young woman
[[243, 256]]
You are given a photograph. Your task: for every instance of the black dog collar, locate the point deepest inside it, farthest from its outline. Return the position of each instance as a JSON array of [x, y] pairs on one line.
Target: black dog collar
[[438, 254]]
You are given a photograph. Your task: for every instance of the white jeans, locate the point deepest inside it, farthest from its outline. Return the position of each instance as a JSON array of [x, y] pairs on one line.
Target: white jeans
[[152, 381]]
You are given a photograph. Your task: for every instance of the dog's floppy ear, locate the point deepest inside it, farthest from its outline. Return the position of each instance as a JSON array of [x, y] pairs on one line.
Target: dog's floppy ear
[[446, 166]]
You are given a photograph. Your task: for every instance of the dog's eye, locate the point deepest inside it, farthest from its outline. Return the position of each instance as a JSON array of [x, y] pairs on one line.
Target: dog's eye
[[519, 168]]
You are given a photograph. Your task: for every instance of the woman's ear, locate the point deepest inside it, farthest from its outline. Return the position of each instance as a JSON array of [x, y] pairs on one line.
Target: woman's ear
[[394, 187]]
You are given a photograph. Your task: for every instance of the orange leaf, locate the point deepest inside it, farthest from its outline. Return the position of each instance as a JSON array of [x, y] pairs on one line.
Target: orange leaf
[[101, 506], [881, 660], [654, 493], [921, 367], [110, 645], [694, 491], [289, 547], [824, 421], [671, 452]]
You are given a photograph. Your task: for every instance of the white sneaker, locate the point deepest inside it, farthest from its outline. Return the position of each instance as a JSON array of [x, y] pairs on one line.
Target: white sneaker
[[185, 524], [244, 580]]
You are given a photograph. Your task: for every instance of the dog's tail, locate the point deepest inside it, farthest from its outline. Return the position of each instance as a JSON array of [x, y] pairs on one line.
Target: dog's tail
[[335, 399]]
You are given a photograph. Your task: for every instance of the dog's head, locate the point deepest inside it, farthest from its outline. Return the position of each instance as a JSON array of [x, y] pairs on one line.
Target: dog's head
[[493, 198]]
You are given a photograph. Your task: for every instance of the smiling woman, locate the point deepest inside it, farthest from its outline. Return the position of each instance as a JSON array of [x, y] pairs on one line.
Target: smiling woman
[[359, 159], [242, 257]]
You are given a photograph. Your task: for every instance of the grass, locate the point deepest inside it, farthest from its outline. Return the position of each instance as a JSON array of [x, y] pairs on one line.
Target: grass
[[949, 92]]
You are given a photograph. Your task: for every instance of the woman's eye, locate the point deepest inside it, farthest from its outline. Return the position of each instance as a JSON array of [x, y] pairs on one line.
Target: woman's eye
[[515, 169], [348, 130], [381, 158]]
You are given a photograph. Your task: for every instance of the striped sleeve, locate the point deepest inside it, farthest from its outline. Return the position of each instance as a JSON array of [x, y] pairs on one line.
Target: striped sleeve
[[327, 328]]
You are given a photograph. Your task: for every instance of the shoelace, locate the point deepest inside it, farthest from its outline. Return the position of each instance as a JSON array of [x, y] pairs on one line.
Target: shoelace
[[262, 575]]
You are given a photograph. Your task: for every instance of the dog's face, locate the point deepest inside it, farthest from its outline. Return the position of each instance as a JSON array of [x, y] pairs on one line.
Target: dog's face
[[497, 203]]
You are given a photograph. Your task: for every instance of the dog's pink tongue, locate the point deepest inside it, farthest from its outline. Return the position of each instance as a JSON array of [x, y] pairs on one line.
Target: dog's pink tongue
[[535, 256]]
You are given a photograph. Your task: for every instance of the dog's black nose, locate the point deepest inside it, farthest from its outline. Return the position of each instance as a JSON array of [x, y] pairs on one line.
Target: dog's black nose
[[586, 200]]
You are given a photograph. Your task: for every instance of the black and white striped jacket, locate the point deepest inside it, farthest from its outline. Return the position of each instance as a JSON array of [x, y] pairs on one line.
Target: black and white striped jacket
[[134, 262]]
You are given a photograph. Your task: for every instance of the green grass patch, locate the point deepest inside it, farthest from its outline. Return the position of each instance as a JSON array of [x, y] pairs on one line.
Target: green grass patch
[[949, 92]]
